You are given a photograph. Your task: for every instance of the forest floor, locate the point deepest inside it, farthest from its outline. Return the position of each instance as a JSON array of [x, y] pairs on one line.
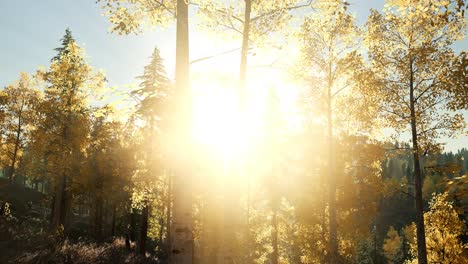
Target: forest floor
[[25, 236]]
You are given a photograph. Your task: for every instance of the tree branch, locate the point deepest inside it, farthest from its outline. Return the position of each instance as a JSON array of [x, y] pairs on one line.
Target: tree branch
[[425, 90], [407, 193], [222, 12], [392, 112], [161, 4], [279, 9], [212, 56], [341, 89], [432, 105]]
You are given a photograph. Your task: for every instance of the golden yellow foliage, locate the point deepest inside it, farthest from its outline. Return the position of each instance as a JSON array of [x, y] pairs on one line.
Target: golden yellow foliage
[[391, 244], [443, 233]]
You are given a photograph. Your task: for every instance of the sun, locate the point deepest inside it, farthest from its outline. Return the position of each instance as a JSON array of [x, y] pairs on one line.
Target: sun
[[218, 124], [219, 127], [222, 129]]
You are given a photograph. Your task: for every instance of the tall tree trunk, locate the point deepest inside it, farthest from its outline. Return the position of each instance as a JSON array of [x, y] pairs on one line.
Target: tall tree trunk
[[130, 232], [274, 236], [420, 232], [80, 208], [61, 188], [98, 202], [243, 106], [404, 249], [132, 225], [248, 235], [15, 152], [168, 216], [52, 209], [98, 214], [162, 226], [182, 237], [230, 208], [58, 217], [144, 229], [333, 257], [113, 219], [68, 212], [323, 218], [245, 48]]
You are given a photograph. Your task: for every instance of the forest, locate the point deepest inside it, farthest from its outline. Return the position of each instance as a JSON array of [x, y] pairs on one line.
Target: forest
[[331, 141]]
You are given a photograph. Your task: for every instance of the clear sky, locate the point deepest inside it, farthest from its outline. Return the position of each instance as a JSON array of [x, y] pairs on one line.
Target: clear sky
[[31, 29]]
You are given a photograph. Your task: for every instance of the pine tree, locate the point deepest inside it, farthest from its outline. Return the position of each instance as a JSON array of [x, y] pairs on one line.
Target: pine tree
[[154, 88], [130, 19], [152, 94], [63, 50], [64, 120]]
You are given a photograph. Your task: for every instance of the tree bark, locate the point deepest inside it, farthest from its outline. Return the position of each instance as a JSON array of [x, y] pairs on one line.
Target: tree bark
[[144, 229], [162, 226], [15, 152], [243, 106], [11, 171], [58, 217], [68, 211], [333, 251], [245, 49], [420, 230], [113, 219], [230, 218], [98, 212], [98, 201], [60, 207], [182, 237], [274, 238], [52, 209], [168, 216], [132, 225]]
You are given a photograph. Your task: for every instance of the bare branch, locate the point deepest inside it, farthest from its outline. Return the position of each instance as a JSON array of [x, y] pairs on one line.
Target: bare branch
[[215, 55], [433, 129], [425, 90], [399, 115], [222, 12], [279, 9], [407, 193], [397, 148], [232, 27], [398, 95], [432, 105], [339, 90], [157, 4]]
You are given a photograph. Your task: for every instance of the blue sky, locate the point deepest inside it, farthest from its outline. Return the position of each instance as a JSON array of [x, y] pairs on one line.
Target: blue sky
[[31, 29]]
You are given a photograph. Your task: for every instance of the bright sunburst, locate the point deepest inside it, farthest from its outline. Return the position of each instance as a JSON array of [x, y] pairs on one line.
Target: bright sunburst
[[219, 125]]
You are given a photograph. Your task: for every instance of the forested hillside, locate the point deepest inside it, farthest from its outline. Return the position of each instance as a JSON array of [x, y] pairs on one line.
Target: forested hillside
[[333, 152]]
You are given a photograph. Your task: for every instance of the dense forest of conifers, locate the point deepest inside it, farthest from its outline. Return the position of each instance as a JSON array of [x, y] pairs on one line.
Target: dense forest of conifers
[[84, 181]]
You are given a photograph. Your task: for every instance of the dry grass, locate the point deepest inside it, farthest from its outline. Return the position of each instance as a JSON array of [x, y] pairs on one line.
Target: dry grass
[[27, 242], [83, 252]]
